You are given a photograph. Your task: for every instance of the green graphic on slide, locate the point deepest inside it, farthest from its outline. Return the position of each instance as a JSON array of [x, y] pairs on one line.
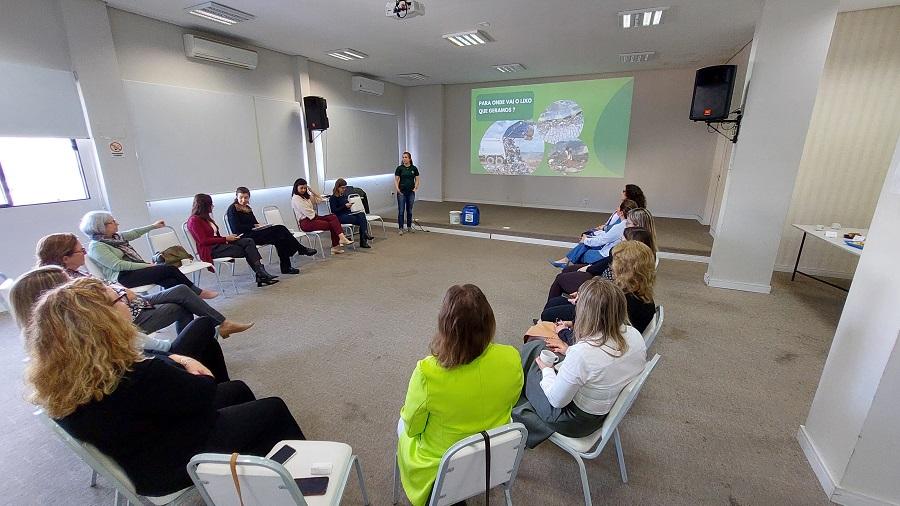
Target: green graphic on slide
[[577, 128]]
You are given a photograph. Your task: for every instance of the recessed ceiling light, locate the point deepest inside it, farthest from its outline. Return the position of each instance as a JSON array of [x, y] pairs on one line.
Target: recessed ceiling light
[[642, 17], [470, 38], [636, 57], [510, 67], [414, 76], [219, 13], [347, 54]]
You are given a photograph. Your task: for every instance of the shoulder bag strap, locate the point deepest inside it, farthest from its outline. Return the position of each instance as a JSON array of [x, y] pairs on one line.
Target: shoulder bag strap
[[487, 468], [234, 476]]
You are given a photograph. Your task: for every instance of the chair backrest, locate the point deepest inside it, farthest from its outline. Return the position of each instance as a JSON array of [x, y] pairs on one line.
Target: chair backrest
[[461, 471], [92, 268], [94, 458], [5, 287], [272, 215], [190, 239], [162, 239], [654, 326], [226, 224], [263, 482], [624, 402]]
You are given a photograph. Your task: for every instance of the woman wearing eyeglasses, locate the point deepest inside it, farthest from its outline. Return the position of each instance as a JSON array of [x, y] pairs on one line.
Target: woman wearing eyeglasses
[[151, 312], [119, 262]]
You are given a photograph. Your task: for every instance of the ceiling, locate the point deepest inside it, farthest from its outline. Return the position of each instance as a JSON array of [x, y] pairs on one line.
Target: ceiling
[[567, 37]]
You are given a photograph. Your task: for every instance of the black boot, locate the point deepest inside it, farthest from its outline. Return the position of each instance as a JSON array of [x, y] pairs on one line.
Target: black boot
[[307, 251], [287, 268], [364, 242], [263, 277]]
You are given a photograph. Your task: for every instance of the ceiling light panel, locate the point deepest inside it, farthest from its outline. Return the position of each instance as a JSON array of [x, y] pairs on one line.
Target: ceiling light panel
[[469, 38], [219, 13], [347, 54], [639, 18], [507, 68], [636, 57]]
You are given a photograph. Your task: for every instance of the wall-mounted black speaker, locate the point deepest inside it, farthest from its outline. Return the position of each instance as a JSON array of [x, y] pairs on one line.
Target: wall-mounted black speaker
[[316, 117], [712, 93]]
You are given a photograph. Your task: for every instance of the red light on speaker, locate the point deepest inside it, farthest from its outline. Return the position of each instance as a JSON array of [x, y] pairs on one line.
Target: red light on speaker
[[707, 112]]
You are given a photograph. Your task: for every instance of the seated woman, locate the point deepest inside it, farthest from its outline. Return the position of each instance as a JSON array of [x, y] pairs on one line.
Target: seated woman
[[242, 221], [304, 201], [212, 245], [634, 271], [606, 355], [149, 312], [120, 263], [340, 206], [573, 276], [465, 366], [150, 415], [597, 243], [197, 340]]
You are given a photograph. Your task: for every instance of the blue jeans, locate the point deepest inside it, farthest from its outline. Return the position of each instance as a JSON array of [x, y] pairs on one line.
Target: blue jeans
[[405, 200], [582, 254]]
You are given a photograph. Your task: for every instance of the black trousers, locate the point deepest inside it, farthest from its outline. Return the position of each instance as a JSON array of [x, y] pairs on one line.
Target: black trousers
[[198, 341], [558, 308], [279, 236], [242, 248], [165, 276], [249, 426], [567, 282]]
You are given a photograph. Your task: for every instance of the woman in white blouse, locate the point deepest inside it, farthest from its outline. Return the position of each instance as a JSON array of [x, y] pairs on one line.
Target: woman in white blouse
[[304, 202], [608, 353]]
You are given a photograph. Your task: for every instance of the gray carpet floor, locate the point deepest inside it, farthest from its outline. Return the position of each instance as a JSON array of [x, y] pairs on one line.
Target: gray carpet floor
[[715, 423], [674, 235]]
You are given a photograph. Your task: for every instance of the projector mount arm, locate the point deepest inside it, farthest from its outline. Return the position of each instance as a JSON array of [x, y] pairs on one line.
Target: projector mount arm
[[734, 129]]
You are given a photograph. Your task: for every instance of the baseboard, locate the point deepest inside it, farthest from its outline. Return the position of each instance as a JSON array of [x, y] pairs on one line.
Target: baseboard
[[739, 285], [853, 498], [532, 240], [694, 217], [815, 461], [816, 272], [455, 231], [682, 257]]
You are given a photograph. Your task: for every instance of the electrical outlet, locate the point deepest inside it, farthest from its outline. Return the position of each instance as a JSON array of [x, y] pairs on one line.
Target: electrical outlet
[[584, 202]]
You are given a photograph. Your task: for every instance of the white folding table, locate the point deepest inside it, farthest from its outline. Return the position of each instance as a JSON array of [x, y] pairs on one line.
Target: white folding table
[[837, 242]]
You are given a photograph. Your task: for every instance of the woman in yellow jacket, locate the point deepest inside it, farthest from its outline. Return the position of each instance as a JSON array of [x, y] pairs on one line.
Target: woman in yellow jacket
[[468, 384]]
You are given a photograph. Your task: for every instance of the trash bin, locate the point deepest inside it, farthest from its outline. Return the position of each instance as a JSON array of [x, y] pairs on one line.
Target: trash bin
[[470, 215]]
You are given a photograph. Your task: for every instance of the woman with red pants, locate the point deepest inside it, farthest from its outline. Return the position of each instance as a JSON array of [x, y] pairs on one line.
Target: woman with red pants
[[304, 202]]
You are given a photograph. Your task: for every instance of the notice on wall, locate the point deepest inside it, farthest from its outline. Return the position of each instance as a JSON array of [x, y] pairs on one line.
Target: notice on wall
[[116, 149]]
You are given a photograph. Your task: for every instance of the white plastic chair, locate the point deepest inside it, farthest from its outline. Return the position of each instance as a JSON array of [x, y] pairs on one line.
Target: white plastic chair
[[5, 287], [166, 237], [228, 231], [371, 217], [653, 327], [589, 447], [265, 482], [104, 466], [273, 216], [95, 271], [460, 474]]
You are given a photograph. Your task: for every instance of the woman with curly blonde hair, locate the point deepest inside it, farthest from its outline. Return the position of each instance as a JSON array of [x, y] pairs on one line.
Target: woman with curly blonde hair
[[634, 271], [150, 414]]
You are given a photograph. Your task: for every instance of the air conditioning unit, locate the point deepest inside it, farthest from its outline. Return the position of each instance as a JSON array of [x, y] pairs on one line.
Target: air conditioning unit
[[368, 86], [205, 49]]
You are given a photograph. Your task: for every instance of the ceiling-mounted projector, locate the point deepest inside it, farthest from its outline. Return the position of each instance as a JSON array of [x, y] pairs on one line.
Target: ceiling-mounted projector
[[403, 9]]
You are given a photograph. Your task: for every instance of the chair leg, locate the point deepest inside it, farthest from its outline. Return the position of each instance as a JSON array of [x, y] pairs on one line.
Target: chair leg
[[362, 482], [621, 456], [233, 284], [383, 228], [218, 280], [396, 482], [93, 478]]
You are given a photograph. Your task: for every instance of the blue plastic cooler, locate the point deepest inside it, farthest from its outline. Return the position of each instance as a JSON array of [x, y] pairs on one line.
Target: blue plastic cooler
[[470, 215]]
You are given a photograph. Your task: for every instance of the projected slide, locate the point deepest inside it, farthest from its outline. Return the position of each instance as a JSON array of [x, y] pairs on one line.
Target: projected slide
[[577, 128]]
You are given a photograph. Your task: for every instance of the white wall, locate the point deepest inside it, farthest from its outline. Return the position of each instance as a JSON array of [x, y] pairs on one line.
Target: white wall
[[669, 156], [850, 436], [424, 137], [855, 122], [32, 33], [334, 85]]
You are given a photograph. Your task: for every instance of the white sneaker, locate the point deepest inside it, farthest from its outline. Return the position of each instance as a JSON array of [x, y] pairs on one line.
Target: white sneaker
[[401, 231], [411, 230]]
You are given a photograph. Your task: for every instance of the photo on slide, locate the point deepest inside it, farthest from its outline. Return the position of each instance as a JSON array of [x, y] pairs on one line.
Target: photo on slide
[[511, 148], [574, 129]]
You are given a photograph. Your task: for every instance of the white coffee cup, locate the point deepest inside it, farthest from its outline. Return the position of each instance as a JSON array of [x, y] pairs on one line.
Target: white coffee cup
[[549, 358], [186, 261]]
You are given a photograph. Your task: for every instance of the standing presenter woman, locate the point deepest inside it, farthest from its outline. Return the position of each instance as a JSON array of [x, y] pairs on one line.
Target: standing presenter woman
[[406, 182]]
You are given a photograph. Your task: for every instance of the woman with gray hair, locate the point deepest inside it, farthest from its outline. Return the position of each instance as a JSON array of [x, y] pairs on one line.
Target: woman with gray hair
[[119, 262]]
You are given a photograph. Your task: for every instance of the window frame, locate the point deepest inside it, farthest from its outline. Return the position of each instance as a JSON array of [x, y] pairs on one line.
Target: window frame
[[7, 193]]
